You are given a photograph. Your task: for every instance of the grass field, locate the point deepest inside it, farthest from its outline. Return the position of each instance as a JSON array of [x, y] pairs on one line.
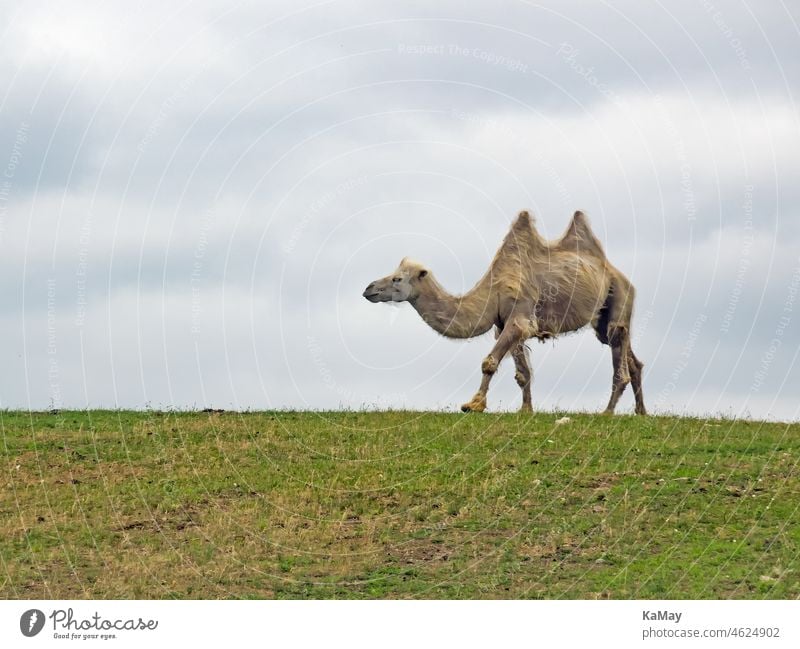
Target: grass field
[[108, 504]]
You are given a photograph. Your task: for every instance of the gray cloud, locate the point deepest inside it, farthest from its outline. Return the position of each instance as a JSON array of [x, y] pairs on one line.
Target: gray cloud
[[195, 198]]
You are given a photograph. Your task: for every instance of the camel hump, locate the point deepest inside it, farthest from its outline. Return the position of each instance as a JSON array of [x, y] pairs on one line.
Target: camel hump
[[522, 225], [579, 236], [523, 220], [522, 234]]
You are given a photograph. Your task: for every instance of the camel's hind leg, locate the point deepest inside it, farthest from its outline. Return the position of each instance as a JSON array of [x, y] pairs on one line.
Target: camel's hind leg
[[613, 328], [517, 329], [523, 375], [619, 341]]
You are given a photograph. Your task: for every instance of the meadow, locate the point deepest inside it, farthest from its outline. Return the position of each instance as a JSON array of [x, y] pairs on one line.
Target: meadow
[[119, 504]]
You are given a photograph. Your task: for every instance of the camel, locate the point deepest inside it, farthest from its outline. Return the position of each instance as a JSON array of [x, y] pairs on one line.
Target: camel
[[533, 289]]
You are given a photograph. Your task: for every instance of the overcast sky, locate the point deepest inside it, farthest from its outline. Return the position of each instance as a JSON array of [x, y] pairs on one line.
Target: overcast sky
[[193, 197]]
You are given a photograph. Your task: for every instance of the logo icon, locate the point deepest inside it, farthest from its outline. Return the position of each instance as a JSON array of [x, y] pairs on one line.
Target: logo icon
[[31, 622]]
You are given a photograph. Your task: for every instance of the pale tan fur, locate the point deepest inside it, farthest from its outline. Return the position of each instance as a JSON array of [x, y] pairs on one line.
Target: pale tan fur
[[533, 289]]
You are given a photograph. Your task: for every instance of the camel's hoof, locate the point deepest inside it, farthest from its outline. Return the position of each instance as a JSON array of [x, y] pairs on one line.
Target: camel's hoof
[[526, 408], [641, 411], [478, 404], [608, 412]]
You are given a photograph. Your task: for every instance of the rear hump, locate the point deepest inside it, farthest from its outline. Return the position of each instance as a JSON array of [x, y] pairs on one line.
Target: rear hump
[[579, 237]]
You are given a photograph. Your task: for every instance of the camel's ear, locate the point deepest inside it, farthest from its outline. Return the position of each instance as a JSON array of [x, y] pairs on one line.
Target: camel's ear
[[422, 274]]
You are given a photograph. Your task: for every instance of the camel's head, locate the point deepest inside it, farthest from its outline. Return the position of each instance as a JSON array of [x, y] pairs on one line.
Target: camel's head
[[402, 285]]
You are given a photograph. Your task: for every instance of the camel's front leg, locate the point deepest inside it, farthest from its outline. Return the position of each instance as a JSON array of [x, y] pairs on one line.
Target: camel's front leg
[[514, 332], [523, 375]]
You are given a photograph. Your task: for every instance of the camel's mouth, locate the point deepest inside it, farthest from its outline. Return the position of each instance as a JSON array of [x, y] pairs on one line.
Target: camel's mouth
[[371, 293]]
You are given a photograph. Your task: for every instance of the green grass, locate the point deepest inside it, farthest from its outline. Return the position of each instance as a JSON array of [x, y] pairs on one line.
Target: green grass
[[107, 504]]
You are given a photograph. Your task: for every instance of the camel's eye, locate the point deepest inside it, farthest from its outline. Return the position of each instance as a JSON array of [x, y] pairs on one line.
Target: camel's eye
[[397, 280]]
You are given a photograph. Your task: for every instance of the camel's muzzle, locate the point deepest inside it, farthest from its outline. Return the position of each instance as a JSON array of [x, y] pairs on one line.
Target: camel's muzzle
[[370, 293]]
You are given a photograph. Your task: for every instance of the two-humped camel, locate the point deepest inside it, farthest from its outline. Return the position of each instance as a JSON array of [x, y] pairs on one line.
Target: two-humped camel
[[533, 289]]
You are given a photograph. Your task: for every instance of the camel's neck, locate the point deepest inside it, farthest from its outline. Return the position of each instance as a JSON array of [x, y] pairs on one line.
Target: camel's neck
[[457, 316]]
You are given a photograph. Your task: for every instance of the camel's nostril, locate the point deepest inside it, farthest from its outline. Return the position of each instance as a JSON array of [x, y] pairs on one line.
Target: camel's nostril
[[369, 291]]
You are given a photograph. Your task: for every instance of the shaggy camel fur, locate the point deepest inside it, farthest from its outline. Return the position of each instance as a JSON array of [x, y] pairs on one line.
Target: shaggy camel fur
[[533, 289]]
